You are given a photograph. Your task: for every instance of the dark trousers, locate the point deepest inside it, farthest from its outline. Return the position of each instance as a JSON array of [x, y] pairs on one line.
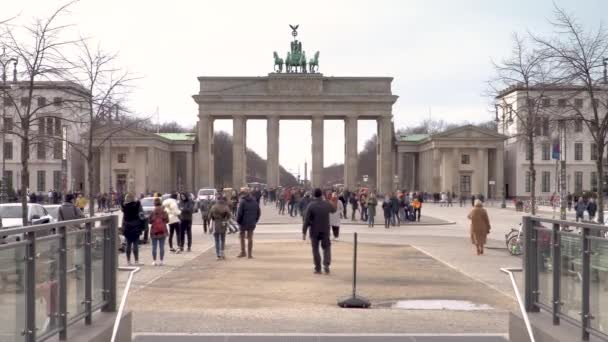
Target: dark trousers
[[387, 220], [185, 230], [417, 216], [206, 220], [322, 238], [132, 245], [174, 229], [336, 231]]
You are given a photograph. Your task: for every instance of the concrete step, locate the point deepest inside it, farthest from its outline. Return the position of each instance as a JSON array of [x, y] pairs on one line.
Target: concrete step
[[144, 337]]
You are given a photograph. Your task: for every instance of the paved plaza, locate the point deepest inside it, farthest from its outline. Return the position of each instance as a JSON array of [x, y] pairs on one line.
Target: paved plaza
[[276, 293]]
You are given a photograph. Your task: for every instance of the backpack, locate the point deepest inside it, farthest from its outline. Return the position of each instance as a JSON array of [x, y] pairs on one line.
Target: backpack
[[159, 227]]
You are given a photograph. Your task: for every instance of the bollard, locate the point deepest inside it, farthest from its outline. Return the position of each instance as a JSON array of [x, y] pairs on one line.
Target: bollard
[[354, 301]]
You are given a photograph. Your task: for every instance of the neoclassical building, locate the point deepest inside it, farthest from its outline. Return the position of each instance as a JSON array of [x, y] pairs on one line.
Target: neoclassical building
[[465, 160]]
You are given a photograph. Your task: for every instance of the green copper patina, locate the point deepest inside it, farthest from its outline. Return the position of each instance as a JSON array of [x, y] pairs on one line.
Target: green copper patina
[[295, 62]]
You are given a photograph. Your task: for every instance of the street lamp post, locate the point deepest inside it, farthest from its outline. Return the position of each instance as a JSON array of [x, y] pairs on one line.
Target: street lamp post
[[4, 61], [506, 116]]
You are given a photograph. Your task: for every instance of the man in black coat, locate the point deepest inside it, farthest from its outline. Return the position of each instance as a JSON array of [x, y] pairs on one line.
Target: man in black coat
[[247, 217], [317, 218]]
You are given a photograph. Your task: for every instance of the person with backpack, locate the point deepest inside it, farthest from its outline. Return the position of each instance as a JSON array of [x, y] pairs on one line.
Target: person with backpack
[[158, 231], [205, 204], [220, 213]]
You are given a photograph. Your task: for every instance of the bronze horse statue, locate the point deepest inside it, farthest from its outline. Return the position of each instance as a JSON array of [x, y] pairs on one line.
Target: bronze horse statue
[[313, 64], [278, 62]]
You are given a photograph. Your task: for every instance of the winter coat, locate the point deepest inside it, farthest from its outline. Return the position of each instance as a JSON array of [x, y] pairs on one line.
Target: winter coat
[[386, 207], [132, 224], [480, 225], [304, 204], [187, 208], [372, 203], [334, 218], [159, 213], [317, 217], [248, 213], [592, 208], [170, 205], [580, 208], [220, 214], [394, 204], [67, 211]]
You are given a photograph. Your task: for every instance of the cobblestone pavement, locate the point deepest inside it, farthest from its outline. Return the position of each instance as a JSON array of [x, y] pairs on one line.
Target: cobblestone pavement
[[447, 244], [320, 338]]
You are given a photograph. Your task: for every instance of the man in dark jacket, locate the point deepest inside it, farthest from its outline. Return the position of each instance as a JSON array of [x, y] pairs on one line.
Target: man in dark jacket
[[317, 218], [68, 211], [186, 206], [247, 217]]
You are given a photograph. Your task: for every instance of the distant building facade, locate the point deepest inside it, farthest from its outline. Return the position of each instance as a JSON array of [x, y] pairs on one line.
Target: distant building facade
[[56, 113], [552, 105], [465, 160]]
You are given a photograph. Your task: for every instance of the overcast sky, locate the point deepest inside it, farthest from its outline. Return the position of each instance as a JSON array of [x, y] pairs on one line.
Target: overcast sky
[[438, 51]]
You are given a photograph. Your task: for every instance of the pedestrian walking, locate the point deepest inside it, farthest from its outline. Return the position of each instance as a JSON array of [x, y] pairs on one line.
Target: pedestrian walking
[[417, 205], [388, 211], [334, 217], [450, 199], [569, 200], [132, 226], [220, 213], [363, 206], [480, 226], [186, 206], [68, 211], [591, 209], [354, 203], [317, 220], [248, 216], [158, 231], [204, 207], [81, 202], [372, 203], [580, 208], [395, 210], [172, 209]]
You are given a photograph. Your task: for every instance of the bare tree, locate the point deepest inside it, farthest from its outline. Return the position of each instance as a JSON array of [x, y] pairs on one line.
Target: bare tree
[[579, 56], [525, 71], [38, 50], [106, 85]]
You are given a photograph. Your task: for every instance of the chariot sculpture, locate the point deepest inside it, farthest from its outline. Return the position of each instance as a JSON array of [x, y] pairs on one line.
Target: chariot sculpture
[[295, 61]]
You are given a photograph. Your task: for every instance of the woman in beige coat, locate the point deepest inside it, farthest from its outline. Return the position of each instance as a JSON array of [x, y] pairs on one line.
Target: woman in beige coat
[[480, 226]]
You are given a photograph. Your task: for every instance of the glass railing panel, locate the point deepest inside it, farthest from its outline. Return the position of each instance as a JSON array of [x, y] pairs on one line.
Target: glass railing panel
[[97, 255], [75, 276], [47, 285], [599, 285], [545, 270], [12, 295], [571, 275]]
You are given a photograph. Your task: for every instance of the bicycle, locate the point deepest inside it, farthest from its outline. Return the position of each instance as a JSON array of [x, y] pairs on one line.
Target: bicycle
[[514, 241]]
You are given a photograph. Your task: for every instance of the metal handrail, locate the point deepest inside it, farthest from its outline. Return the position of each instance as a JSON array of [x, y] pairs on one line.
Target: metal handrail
[[510, 271], [123, 301]]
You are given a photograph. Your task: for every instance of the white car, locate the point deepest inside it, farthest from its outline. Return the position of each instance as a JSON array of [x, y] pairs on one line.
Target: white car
[[207, 194], [10, 214]]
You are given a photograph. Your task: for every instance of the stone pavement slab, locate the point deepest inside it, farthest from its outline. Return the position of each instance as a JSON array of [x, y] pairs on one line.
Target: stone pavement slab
[[277, 292], [320, 338]]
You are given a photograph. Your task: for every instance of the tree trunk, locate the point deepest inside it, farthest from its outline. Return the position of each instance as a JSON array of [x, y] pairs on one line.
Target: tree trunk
[[25, 172], [92, 198], [599, 163]]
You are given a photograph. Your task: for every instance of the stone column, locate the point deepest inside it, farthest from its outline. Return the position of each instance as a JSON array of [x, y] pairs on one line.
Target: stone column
[[350, 152], [272, 151], [436, 166], [239, 162], [317, 151], [385, 142], [188, 174], [401, 168], [150, 178], [455, 170], [499, 169], [132, 176], [414, 172], [482, 171], [205, 151]]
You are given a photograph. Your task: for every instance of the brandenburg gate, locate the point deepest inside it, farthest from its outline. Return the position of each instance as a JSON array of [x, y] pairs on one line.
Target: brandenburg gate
[[299, 93]]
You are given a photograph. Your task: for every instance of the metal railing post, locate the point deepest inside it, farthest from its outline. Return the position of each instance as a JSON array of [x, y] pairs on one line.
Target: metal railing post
[[557, 255], [30, 289], [110, 263], [586, 280], [530, 265], [63, 283], [88, 275]]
